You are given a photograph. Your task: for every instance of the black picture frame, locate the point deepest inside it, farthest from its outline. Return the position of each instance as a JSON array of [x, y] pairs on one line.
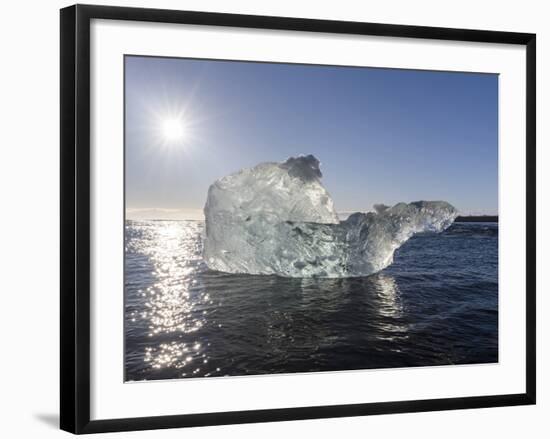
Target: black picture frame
[[75, 217]]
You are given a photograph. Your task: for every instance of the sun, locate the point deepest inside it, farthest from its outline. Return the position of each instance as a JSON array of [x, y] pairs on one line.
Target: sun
[[173, 129]]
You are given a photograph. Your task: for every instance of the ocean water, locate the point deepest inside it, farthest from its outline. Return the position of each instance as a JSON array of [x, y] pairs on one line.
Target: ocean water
[[437, 304]]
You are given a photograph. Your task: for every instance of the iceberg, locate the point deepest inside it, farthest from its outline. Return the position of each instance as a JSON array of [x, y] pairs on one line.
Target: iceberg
[[278, 219]]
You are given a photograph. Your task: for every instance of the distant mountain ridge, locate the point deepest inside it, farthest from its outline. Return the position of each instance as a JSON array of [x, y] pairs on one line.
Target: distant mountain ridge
[[477, 219]]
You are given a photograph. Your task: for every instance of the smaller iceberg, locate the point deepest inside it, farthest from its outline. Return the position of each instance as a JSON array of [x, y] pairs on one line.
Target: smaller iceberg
[[277, 218]]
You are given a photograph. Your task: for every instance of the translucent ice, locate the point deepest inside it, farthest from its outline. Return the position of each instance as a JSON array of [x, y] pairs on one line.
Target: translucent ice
[[277, 218]]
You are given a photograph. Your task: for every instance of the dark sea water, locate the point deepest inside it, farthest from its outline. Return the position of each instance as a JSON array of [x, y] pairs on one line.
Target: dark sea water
[[437, 304]]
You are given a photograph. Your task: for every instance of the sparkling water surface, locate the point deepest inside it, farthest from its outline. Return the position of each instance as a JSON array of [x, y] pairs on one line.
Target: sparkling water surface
[[437, 304]]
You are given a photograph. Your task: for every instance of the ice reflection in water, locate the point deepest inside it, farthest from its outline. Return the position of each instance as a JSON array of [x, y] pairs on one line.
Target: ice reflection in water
[[183, 320], [389, 299], [390, 308]]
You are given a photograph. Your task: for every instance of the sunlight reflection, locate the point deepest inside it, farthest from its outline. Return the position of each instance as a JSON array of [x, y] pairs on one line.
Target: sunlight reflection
[[172, 307]]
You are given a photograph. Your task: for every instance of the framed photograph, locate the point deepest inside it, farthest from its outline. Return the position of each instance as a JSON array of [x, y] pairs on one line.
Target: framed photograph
[[268, 218]]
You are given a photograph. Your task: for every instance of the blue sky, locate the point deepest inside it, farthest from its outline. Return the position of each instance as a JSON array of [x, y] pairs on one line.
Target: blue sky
[[382, 135]]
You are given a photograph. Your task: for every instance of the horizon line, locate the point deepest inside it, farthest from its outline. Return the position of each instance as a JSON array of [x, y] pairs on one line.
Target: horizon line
[[197, 214]]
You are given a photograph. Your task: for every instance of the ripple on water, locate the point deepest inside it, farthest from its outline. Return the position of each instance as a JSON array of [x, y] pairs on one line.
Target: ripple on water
[[437, 304]]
